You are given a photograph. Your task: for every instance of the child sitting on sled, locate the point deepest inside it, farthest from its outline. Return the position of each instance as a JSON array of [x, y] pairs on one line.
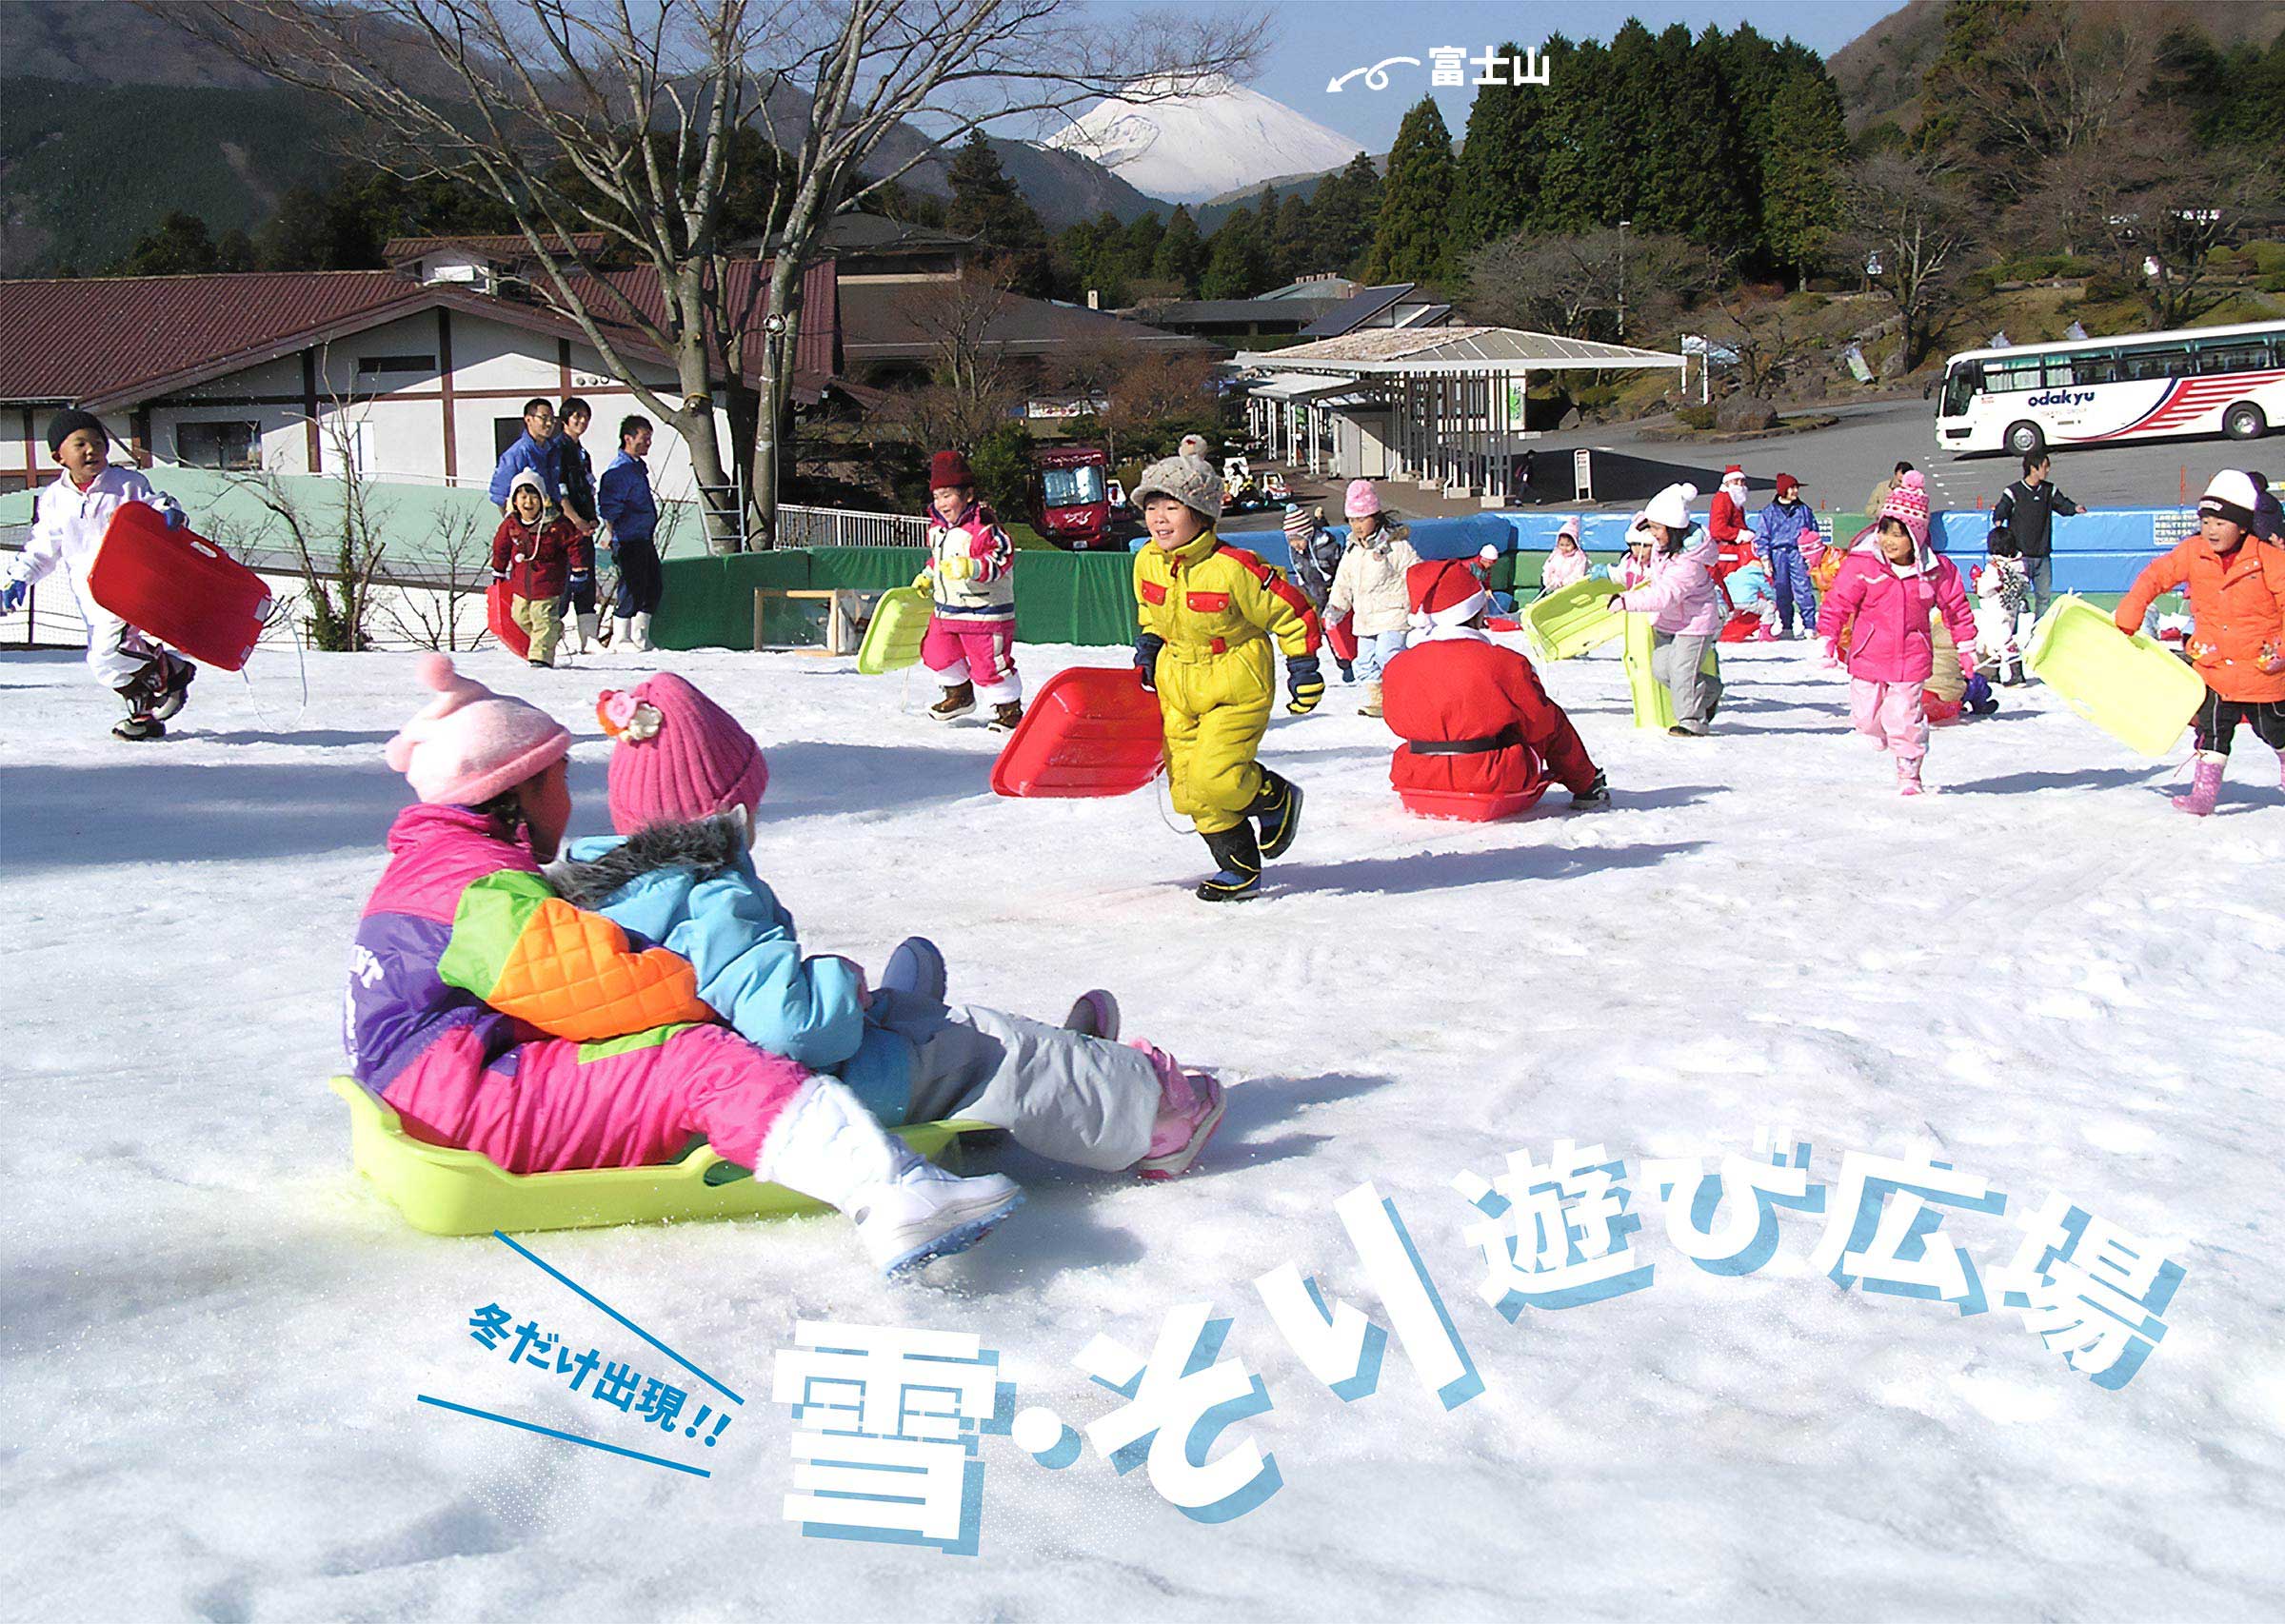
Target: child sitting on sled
[[1209, 614], [68, 521], [493, 1016], [685, 781]]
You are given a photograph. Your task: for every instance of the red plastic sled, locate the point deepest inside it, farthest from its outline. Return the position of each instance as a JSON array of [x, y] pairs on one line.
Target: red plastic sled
[[1340, 638], [1468, 805], [1741, 626], [500, 614], [177, 587], [1091, 731]]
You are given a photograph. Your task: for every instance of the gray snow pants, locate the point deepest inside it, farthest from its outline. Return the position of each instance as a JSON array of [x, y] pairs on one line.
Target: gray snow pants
[[1675, 661], [1059, 1094]]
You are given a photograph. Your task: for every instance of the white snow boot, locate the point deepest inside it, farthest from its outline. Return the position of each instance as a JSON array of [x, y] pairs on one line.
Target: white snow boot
[[623, 633], [908, 1211], [588, 621], [643, 643]]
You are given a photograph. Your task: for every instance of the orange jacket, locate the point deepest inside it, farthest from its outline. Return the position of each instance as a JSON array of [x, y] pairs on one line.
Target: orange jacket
[[2237, 610]]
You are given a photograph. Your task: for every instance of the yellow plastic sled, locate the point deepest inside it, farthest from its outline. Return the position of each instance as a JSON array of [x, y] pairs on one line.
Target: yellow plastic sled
[[458, 1192], [1654, 705], [2130, 687], [893, 639], [1573, 618]]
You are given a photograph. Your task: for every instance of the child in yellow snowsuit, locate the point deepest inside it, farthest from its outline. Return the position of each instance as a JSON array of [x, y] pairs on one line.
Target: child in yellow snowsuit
[[1208, 613]]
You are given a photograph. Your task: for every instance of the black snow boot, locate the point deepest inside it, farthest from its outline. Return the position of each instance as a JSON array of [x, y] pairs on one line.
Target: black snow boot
[[959, 699], [175, 691], [1278, 807], [139, 727], [1241, 858]]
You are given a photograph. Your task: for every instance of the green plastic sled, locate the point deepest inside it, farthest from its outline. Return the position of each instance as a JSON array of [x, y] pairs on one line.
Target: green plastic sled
[[458, 1192], [1653, 705], [1573, 618], [2130, 687], [893, 639]]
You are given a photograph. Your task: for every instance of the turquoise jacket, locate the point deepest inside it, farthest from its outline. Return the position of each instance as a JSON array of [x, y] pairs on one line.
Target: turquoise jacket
[[691, 889]]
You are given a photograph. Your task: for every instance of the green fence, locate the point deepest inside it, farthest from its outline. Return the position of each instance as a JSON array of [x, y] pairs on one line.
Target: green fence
[[708, 603]]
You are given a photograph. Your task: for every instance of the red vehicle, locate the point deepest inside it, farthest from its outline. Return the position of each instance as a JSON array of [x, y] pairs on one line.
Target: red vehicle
[[1071, 497]]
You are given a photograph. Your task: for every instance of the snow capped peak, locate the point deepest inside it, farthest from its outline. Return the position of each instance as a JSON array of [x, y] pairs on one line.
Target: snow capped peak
[[1215, 136]]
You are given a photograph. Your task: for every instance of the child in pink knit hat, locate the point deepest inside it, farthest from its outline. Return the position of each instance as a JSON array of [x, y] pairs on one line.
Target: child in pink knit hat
[[685, 781], [493, 1016], [1877, 616]]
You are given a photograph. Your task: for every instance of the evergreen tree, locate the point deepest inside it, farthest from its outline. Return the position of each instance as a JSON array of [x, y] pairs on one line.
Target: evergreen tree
[[1501, 162], [1180, 256], [1342, 212], [1138, 245], [1412, 237], [985, 204], [1579, 175], [1801, 160], [179, 246], [1234, 269], [1289, 242], [1687, 179]]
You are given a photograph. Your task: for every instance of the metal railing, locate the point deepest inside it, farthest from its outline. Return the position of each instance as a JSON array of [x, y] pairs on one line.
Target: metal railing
[[843, 527]]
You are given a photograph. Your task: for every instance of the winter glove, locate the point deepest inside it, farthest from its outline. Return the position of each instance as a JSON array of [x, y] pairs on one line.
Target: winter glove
[[1146, 658], [581, 580], [13, 596], [1304, 683], [924, 582], [1967, 663], [175, 517], [2271, 660], [956, 568], [499, 575]]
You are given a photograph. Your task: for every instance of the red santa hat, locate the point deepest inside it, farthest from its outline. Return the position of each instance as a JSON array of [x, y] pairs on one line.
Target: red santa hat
[[1445, 593], [1732, 472]]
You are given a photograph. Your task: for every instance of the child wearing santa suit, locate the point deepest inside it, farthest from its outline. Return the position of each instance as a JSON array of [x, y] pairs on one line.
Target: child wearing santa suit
[[1473, 716], [970, 574]]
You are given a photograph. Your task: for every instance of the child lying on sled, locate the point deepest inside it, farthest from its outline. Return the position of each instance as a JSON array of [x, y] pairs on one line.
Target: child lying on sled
[[684, 781]]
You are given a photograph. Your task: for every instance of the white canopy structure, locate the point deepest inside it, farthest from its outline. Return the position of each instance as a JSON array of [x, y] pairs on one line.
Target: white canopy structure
[[1444, 406]]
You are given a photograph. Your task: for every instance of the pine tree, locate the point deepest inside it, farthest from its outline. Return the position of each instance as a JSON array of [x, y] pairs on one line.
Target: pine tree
[[1800, 164], [1236, 269], [1289, 246], [1498, 179], [1411, 238], [1342, 212], [1182, 253], [985, 204], [1580, 172]]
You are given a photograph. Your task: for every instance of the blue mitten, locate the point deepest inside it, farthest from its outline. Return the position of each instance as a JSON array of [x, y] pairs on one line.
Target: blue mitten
[[13, 596]]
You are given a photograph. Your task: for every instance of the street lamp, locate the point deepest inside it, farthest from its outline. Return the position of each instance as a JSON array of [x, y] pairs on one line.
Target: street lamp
[[1622, 225]]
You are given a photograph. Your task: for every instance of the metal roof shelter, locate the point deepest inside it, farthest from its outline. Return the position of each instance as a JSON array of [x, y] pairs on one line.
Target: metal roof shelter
[[1444, 406]]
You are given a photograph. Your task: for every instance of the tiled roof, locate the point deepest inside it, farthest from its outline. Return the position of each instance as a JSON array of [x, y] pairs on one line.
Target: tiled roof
[[401, 249], [892, 321], [108, 342]]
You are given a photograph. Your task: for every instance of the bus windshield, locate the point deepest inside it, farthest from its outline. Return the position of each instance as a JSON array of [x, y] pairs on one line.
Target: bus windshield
[[1071, 488], [1961, 385]]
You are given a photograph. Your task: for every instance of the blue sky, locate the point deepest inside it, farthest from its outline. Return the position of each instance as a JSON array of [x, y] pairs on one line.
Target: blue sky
[[1318, 39]]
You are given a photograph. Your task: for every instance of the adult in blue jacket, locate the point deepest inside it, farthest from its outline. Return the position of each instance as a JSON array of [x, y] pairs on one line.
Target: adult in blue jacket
[[534, 450], [1780, 528], [630, 516]]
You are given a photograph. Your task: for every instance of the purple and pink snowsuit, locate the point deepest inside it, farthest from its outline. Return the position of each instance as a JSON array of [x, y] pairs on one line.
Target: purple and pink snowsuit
[[493, 1016]]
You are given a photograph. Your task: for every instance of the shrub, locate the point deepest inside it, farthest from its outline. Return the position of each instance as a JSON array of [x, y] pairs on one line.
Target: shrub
[[1699, 417]]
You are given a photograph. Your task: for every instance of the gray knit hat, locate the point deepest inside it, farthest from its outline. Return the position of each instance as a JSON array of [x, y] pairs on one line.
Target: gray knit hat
[[1188, 480]]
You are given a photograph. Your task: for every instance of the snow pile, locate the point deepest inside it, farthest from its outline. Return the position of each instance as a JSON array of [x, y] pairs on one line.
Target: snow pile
[[1191, 148], [215, 1335]]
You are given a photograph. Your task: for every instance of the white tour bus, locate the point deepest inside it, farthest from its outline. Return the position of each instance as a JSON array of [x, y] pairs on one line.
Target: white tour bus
[[2198, 381]]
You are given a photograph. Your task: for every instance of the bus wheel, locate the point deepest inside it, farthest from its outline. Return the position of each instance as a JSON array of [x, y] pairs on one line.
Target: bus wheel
[[2025, 440], [2244, 422]]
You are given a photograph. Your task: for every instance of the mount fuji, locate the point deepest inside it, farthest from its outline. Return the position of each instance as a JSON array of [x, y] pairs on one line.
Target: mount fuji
[[1192, 147]]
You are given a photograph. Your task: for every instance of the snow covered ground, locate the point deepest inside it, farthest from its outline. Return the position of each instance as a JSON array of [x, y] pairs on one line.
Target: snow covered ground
[[214, 1333]]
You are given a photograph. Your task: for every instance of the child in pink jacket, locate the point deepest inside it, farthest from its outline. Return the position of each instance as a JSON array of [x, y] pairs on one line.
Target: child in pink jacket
[[1686, 596], [1878, 611]]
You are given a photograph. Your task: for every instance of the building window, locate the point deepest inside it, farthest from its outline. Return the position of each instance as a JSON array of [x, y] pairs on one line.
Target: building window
[[505, 432], [217, 444], [376, 366]]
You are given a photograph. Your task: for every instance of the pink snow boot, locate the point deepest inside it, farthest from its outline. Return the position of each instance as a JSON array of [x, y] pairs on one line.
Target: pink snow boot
[[1190, 1107], [1908, 778], [2205, 785]]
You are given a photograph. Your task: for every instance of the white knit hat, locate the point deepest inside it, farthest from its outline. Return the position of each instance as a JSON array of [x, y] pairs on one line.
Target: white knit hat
[[2230, 495], [1671, 507], [1188, 480]]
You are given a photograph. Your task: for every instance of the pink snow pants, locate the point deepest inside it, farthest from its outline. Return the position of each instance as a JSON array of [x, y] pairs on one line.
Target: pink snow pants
[[551, 1104], [1892, 715], [982, 653]]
